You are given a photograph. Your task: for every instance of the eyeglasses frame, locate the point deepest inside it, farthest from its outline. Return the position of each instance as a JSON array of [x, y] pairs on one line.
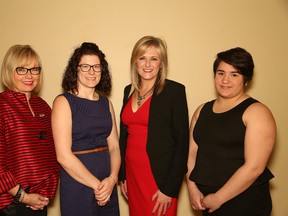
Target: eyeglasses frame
[[91, 66], [30, 70]]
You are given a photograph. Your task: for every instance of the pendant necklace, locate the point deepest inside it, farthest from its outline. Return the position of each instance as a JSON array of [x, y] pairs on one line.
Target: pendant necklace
[[139, 97]]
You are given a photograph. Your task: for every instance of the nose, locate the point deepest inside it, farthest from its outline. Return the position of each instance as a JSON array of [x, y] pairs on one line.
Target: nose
[[147, 63], [225, 78], [28, 74], [91, 70]]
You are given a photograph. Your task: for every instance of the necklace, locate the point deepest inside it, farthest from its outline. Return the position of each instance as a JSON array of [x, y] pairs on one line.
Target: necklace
[[139, 97]]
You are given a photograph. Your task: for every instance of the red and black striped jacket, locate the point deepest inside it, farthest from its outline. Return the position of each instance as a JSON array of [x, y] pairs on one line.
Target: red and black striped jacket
[[27, 154]]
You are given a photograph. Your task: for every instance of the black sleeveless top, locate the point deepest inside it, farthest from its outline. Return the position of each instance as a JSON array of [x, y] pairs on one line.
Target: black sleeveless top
[[220, 139]]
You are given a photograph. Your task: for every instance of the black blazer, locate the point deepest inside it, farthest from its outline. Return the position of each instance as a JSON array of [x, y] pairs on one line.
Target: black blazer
[[168, 137]]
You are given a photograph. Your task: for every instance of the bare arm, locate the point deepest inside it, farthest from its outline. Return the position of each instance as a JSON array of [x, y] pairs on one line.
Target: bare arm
[[106, 186], [259, 142], [62, 133], [195, 195]]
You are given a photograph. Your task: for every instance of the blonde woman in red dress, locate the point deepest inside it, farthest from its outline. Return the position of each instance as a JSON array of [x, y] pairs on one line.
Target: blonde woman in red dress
[[154, 133]]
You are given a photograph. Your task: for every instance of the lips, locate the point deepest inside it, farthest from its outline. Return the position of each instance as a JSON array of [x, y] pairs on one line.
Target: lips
[[148, 70], [28, 83]]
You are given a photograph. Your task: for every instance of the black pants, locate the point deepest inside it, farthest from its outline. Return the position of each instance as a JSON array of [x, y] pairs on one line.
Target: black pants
[[255, 201], [20, 209]]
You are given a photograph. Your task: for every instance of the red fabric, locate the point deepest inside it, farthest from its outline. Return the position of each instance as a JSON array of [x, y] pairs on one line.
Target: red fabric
[[141, 185], [24, 158]]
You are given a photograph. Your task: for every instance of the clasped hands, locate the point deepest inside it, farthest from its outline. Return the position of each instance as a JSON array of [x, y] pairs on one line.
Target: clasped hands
[[104, 190], [199, 202], [35, 201]]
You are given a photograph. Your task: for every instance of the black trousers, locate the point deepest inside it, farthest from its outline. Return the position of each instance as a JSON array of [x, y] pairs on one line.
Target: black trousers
[[255, 201], [20, 209]]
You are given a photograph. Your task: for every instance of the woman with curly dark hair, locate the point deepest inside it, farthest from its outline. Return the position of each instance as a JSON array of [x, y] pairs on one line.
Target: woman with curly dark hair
[[85, 135]]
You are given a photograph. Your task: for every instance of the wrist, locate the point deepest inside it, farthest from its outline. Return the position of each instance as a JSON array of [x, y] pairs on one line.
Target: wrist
[[113, 179], [18, 197]]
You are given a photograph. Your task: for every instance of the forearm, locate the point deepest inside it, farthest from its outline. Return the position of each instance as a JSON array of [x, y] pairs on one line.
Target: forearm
[[75, 168], [242, 179], [115, 163]]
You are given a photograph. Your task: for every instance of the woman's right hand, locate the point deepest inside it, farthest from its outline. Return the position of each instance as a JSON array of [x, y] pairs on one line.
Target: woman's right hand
[[195, 196], [123, 187], [35, 201]]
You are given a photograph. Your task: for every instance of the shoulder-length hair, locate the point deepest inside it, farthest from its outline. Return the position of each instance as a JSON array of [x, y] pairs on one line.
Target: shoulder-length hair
[[69, 81], [19, 56], [142, 45]]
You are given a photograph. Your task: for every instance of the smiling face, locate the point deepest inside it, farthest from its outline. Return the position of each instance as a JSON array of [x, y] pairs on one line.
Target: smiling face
[[229, 82], [148, 64], [26, 83], [88, 79]]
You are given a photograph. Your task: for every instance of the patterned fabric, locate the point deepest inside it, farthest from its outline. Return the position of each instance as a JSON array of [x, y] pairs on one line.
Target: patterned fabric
[[91, 125], [27, 154]]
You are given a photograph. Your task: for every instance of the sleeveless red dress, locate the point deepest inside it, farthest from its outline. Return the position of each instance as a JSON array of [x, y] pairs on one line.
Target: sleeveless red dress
[[141, 185]]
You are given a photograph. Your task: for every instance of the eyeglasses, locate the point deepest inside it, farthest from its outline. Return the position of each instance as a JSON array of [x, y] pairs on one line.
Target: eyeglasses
[[87, 67], [24, 71]]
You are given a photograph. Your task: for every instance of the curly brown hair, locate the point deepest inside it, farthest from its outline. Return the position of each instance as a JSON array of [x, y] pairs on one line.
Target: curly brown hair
[[69, 81]]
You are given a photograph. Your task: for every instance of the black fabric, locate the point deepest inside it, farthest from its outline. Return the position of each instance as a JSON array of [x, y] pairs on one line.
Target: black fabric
[[255, 201], [168, 137], [219, 155], [20, 209]]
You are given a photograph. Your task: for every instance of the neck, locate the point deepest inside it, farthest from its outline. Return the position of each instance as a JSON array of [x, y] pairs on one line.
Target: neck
[[90, 94]]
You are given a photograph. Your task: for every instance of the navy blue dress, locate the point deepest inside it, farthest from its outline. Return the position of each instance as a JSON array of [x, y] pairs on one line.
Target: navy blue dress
[[91, 125]]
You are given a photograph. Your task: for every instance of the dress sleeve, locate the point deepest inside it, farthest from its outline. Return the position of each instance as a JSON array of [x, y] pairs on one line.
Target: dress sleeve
[[7, 180]]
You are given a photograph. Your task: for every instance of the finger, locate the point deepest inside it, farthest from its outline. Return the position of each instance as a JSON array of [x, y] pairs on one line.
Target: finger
[[100, 186], [154, 196], [165, 208], [124, 192], [155, 207], [160, 210]]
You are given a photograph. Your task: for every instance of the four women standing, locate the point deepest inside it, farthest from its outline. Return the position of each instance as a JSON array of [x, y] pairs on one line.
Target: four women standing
[[231, 138]]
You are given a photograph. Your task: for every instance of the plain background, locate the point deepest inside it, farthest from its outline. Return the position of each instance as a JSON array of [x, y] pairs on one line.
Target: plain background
[[195, 32]]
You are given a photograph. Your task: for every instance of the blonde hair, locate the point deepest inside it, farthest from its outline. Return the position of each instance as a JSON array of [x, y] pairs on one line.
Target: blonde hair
[[17, 56], [142, 45]]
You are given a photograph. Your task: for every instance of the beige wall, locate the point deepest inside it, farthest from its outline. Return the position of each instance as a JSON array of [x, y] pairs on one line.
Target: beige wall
[[194, 30]]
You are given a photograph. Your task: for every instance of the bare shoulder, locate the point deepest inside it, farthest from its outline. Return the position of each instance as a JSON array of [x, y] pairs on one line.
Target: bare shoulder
[[258, 108], [60, 104], [258, 112]]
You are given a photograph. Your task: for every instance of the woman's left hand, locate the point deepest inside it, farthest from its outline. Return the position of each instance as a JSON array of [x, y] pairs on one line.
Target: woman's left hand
[[104, 191], [163, 202], [211, 202]]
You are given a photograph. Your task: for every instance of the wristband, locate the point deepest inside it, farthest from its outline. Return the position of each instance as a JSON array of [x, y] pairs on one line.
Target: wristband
[[18, 195]]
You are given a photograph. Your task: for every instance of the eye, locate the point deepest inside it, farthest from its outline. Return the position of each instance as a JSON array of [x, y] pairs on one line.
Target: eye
[[85, 66], [154, 59], [35, 69], [97, 66], [141, 58], [220, 73], [20, 69], [235, 74]]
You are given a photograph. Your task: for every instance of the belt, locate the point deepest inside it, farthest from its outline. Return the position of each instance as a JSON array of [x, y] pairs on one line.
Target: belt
[[91, 150]]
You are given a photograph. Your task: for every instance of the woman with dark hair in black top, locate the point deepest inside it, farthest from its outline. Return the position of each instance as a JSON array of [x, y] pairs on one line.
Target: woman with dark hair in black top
[[231, 140]]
